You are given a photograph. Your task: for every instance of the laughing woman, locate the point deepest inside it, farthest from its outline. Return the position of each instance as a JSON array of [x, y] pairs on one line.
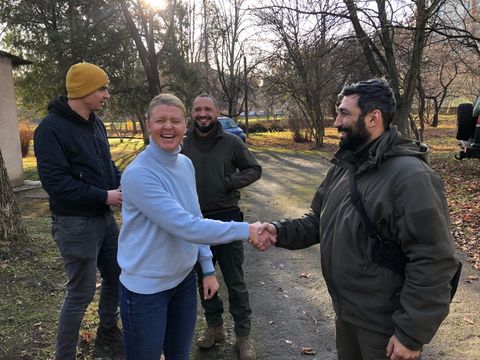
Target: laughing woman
[[162, 237]]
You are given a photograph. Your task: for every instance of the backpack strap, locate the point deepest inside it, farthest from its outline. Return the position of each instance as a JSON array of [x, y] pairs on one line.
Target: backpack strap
[[385, 252], [388, 253]]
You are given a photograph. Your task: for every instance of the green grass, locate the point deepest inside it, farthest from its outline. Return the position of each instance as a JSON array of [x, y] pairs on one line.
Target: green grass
[[32, 278]]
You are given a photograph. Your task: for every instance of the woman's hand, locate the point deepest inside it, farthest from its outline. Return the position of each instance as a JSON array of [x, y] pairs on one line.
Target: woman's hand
[[210, 286]]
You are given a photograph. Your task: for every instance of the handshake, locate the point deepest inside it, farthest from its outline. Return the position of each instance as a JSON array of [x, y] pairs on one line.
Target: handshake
[[262, 235]]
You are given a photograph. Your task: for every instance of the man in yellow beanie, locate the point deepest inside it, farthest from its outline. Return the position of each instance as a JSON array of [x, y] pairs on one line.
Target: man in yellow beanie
[[77, 171]]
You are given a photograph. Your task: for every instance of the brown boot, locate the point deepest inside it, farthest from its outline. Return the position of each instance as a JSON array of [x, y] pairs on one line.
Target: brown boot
[[245, 348], [211, 336]]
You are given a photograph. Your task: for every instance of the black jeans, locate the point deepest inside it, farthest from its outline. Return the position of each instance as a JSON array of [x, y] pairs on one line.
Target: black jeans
[[229, 258], [86, 243]]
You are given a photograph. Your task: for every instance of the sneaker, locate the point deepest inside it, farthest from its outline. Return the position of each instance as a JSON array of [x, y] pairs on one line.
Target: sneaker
[[111, 337], [245, 348], [211, 336]]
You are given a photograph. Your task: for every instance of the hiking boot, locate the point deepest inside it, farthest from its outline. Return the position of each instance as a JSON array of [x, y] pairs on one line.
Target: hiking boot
[[111, 337], [245, 348], [211, 336]]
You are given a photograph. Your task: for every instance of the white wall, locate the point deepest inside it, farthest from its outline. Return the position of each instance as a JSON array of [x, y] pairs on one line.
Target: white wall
[[9, 136]]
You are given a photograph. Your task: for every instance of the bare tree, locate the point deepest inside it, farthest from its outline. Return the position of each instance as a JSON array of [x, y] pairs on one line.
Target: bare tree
[[11, 228], [303, 68], [226, 27], [376, 24], [141, 22]]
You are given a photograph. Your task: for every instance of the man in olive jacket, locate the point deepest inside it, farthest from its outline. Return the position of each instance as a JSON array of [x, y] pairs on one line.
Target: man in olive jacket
[[223, 165], [380, 313]]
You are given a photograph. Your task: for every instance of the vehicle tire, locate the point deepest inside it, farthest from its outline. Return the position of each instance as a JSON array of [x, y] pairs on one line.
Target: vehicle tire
[[465, 122]]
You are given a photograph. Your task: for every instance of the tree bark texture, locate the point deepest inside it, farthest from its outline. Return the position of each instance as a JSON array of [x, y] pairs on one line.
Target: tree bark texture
[[10, 217]]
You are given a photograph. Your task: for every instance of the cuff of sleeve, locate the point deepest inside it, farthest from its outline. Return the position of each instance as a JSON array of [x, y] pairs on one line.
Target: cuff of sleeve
[[207, 266], [279, 228], [407, 341], [208, 274], [103, 195]]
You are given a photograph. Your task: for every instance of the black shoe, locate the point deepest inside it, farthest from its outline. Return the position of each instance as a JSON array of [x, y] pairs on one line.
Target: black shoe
[[111, 337]]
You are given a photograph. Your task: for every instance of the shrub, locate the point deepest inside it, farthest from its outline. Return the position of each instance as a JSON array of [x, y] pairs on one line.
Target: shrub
[[264, 126], [26, 136], [299, 135]]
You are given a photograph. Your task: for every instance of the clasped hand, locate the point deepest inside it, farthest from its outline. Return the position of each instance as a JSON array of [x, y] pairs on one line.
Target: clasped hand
[[262, 235]]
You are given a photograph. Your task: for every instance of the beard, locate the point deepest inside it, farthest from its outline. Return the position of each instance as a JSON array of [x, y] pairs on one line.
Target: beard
[[205, 129], [355, 136]]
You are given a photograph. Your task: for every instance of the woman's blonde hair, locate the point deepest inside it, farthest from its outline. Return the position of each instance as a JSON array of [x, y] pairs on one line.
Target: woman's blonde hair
[[166, 99]]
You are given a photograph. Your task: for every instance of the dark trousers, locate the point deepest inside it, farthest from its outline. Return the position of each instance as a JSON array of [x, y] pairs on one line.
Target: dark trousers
[[357, 343], [229, 258], [86, 243]]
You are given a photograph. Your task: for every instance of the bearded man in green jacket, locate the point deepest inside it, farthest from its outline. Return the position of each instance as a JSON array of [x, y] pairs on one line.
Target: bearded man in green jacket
[[381, 313]]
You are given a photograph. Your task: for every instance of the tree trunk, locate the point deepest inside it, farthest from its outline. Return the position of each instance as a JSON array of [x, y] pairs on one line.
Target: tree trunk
[[11, 228]]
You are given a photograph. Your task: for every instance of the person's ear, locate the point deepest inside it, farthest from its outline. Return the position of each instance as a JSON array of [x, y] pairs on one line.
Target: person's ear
[[374, 119]]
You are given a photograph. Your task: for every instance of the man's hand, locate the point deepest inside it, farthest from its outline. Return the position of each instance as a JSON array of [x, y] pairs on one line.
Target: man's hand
[[262, 235], [114, 197], [210, 286], [397, 351]]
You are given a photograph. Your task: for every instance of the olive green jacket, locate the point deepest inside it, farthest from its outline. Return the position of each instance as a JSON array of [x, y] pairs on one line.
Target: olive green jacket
[[223, 165], [404, 197]]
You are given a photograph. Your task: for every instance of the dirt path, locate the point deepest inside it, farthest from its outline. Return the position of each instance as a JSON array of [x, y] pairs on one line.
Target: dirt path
[[290, 303]]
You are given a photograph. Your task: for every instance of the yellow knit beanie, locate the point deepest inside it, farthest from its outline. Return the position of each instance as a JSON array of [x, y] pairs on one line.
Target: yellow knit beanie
[[83, 79]]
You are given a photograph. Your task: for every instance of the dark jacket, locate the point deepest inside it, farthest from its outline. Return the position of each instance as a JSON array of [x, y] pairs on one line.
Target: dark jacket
[[74, 162], [223, 165], [405, 198]]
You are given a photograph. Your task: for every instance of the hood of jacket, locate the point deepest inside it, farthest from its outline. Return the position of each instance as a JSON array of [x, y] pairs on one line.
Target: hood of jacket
[[59, 106]]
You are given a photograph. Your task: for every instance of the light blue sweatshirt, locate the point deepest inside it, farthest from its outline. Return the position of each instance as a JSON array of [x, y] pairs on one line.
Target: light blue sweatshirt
[[162, 225]]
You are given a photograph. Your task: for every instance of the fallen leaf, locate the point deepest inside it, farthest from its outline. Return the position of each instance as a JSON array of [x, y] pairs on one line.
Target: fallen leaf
[[289, 342], [473, 277], [270, 322], [469, 321], [305, 275], [86, 336], [308, 351]]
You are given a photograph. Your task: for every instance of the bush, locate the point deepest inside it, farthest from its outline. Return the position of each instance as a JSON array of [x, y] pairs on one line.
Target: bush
[[299, 135], [264, 126], [26, 136]]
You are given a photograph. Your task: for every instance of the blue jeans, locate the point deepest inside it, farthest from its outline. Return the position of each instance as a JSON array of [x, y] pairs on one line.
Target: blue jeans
[[86, 243], [162, 321]]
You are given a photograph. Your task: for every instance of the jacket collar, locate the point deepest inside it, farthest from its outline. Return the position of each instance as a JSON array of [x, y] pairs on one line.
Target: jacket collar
[[390, 144], [59, 106]]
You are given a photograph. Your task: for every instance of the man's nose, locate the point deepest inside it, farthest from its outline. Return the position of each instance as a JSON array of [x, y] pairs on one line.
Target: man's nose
[[338, 122]]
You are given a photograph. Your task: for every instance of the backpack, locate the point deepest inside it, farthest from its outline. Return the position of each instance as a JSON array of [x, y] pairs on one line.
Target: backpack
[[387, 252]]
